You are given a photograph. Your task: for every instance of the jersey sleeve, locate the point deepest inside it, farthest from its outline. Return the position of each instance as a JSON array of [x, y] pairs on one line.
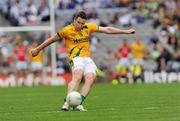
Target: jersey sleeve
[[62, 33], [92, 27]]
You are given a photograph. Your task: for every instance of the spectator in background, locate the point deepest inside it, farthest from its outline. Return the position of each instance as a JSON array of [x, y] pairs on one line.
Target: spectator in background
[[124, 64], [125, 19], [105, 3], [32, 13], [173, 43], [109, 58], [170, 5], [94, 41], [6, 50], [154, 39], [163, 36], [152, 6], [159, 16], [122, 3], [141, 11], [154, 52], [115, 18], [21, 60], [91, 4], [17, 13], [138, 53], [43, 11], [176, 17], [163, 58], [36, 64], [174, 63], [149, 60], [62, 59], [104, 20], [71, 4], [1, 61], [93, 16], [104, 71]]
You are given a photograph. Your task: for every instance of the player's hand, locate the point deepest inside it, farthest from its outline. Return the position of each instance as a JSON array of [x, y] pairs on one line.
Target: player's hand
[[131, 31], [34, 52]]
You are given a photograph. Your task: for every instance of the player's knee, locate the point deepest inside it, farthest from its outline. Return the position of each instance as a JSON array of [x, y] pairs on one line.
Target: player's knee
[[90, 77], [77, 79], [89, 81]]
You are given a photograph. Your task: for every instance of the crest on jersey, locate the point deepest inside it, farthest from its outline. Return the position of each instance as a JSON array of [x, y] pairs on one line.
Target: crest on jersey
[[73, 35]]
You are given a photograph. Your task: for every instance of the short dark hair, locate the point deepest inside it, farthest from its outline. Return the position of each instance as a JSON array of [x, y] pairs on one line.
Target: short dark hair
[[81, 14]]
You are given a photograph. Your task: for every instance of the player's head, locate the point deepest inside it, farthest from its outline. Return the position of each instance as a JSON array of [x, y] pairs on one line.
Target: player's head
[[18, 40], [34, 44], [125, 41], [79, 20], [137, 40]]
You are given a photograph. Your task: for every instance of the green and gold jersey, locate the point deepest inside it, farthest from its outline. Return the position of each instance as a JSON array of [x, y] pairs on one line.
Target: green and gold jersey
[[78, 42]]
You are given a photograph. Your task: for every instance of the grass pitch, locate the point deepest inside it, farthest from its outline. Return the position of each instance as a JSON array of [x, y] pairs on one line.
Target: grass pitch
[[106, 102]]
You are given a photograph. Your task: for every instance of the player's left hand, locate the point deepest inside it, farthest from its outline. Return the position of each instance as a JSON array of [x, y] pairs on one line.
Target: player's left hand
[[131, 31]]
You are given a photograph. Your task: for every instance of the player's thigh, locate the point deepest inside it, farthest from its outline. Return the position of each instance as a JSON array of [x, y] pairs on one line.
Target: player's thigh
[[138, 62], [77, 63], [36, 66], [124, 62], [77, 75], [77, 67], [90, 66], [21, 65]]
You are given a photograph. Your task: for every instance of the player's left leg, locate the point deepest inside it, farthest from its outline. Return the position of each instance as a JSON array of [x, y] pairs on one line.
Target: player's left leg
[[89, 78], [77, 74], [88, 82], [73, 85]]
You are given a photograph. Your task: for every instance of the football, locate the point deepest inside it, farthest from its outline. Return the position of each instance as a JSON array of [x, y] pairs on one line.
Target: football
[[74, 98]]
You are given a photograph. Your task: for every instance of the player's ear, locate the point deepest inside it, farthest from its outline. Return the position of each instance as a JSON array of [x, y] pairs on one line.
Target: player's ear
[[74, 20]]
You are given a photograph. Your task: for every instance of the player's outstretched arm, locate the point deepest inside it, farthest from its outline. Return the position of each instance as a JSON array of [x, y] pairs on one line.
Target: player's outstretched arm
[[46, 43], [113, 30]]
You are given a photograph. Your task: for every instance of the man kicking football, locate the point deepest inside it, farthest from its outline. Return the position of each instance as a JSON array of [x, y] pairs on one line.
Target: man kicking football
[[77, 39]]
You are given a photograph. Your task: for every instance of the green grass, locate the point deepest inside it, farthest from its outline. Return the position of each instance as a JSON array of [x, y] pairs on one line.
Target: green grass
[[135, 102]]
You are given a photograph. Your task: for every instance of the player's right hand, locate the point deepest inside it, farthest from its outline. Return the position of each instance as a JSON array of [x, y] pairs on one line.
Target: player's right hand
[[34, 52], [131, 31]]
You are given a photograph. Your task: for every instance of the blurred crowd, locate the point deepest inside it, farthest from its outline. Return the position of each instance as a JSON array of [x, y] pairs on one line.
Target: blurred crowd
[[162, 13], [159, 52], [25, 12], [34, 12], [17, 62], [135, 57], [73, 4]]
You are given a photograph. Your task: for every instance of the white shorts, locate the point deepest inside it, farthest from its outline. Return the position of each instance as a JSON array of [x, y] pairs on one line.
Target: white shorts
[[84, 63], [138, 62], [36, 66], [21, 65], [124, 62]]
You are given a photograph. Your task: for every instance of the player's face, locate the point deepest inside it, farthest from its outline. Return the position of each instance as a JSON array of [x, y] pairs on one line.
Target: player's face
[[125, 42], [79, 22]]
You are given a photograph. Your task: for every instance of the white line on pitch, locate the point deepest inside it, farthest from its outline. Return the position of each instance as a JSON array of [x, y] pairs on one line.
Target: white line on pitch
[[150, 108], [31, 112]]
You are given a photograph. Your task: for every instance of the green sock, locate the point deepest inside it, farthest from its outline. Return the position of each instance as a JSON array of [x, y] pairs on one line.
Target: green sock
[[83, 98], [65, 99]]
